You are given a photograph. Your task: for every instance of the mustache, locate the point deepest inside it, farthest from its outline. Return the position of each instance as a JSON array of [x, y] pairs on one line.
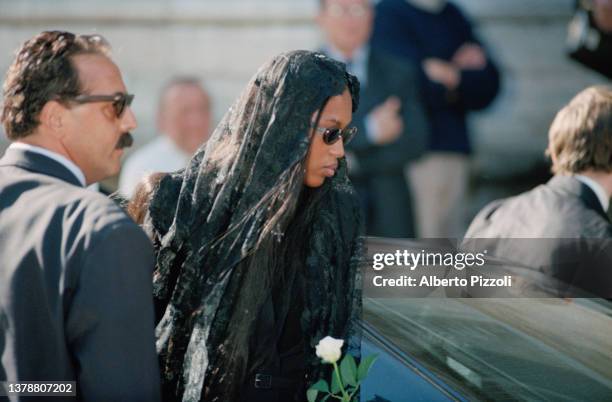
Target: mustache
[[125, 141]]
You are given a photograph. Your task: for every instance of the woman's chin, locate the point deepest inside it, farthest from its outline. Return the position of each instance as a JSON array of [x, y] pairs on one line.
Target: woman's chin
[[314, 182]]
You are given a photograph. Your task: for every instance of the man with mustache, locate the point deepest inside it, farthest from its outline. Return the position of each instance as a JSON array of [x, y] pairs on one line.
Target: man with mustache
[[75, 272]]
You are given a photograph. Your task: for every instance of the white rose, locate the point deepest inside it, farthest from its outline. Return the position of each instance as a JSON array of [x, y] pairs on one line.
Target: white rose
[[329, 349]]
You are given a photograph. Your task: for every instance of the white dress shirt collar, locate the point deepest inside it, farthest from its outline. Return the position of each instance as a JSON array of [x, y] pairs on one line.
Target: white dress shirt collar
[[67, 163], [597, 188]]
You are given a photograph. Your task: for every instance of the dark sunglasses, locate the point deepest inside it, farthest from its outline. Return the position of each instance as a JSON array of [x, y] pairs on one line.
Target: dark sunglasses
[[332, 135], [119, 100]]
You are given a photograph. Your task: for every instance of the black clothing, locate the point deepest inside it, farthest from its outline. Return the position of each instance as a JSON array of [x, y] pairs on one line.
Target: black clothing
[[589, 45], [239, 237]]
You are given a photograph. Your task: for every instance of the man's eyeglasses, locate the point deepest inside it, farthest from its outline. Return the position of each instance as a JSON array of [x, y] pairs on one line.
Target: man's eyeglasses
[[354, 10], [119, 100], [332, 135]]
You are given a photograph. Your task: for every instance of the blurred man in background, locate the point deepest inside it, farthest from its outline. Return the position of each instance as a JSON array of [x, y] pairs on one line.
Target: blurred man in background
[[184, 120], [391, 121], [458, 76]]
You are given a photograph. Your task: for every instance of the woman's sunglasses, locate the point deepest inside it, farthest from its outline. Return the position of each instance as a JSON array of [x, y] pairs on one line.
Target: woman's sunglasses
[[332, 135], [119, 100]]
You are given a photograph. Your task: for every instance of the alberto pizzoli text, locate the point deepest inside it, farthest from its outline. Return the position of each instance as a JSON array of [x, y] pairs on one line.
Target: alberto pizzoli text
[[434, 281]]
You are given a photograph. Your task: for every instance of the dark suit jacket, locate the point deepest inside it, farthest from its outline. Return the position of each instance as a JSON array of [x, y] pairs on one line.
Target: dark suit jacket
[[558, 228], [75, 285], [390, 76], [380, 178]]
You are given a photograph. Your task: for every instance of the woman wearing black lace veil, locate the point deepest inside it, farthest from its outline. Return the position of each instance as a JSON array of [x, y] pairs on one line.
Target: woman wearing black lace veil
[[257, 241]]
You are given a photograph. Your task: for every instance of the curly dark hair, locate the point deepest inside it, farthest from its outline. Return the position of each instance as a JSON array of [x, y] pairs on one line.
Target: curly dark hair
[[43, 71]]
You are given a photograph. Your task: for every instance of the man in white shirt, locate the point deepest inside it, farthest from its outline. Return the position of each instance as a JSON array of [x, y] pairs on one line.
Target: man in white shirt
[[184, 118], [571, 209], [76, 300]]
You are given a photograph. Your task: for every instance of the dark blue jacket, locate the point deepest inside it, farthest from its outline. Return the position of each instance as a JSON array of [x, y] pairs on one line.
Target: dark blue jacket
[[76, 297], [407, 31]]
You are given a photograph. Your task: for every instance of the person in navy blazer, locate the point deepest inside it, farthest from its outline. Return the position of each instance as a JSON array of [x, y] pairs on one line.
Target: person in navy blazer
[[76, 298]]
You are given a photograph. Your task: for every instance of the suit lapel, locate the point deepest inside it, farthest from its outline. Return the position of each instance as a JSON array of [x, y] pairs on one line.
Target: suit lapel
[[34, 162], [372, 94]]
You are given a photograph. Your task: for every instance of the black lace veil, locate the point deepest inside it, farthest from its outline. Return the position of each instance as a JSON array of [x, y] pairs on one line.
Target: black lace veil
[[238, 227]]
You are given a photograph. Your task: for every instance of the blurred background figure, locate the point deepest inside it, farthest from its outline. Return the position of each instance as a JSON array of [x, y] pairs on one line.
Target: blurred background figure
[[391, 121], [589, 39], [458, 77], [183, 121]]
